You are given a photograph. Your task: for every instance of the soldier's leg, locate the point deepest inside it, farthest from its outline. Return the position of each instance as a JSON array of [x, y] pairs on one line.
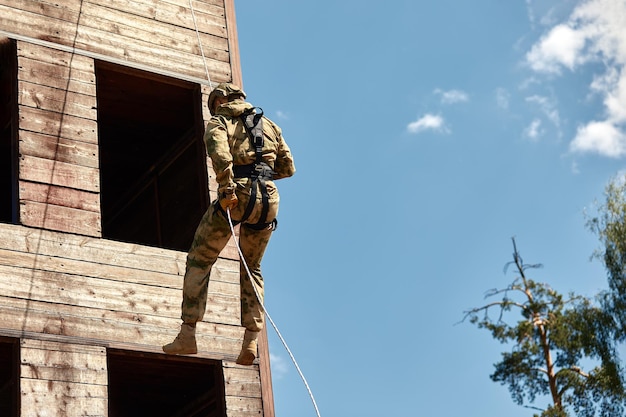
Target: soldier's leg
[[253, 244], [210, 238]]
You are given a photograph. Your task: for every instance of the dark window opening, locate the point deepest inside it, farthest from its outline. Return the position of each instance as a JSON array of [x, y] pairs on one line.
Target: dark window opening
[[9, 377], [8, 131], [152, 385], [152, 158]]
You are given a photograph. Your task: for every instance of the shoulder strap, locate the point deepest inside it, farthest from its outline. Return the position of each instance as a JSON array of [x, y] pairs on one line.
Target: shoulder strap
[[253, 122]]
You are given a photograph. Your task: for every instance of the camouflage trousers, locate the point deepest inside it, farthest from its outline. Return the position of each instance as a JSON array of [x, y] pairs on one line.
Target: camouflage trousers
[[211, 237]]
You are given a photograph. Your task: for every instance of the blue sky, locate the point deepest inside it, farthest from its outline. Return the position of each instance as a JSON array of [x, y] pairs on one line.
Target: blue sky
[[426, 134]]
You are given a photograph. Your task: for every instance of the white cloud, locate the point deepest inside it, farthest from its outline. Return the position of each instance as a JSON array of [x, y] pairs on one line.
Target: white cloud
[[613, 86], [547, 107], [502, 98], [428, 122], [562, 46], [279, 366], [530, 11], [528, 82], [602, 138], [533, 9], [594, 32], [452, 96], [282, 115], [534, 130]]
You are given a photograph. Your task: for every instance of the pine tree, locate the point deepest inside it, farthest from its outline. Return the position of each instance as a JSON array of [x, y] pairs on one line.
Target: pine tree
[[553, 341]]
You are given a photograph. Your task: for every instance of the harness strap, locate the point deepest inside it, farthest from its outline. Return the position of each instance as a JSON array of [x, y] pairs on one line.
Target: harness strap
[[251, 202], [265, 201], [259, 172]]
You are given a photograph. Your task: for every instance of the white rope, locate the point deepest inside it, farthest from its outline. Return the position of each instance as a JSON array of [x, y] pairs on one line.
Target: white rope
[[195, 25], [258, 297]]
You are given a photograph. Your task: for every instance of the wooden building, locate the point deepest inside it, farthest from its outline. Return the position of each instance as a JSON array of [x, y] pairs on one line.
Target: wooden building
[[103, 179]]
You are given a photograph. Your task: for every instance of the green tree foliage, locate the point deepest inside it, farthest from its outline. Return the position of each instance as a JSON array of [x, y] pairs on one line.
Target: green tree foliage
[[610, 226], [560, 345]]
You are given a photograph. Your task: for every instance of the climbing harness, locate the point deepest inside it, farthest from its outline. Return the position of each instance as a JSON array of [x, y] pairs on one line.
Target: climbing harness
[[267, 314], [259, 172], [261, 168]]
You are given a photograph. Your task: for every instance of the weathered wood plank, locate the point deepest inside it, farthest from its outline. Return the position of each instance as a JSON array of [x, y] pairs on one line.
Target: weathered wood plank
[[48, 345], [63, 399], [206, 114], [35, 263], [209, 14], [57, 100], [55, 361], [64, 71], [124, 280], [62, 26], [78, 290], [178, 32], [148, 54], [64, 219], [58, 149], [67, 10], [63, 379], [41, 261], [98, 251], [41, 55], [235, 61], [57, 124], [109, 259], [239, 382], [202, 6], [46, 171], [185, 58], [209, 17], [59, 196], [243, 406], [105, 326]]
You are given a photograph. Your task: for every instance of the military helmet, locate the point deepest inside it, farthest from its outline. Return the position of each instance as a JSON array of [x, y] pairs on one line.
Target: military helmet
[[224, 90]]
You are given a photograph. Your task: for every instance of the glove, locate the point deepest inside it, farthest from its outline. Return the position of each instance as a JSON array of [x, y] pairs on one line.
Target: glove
[[229, 201]]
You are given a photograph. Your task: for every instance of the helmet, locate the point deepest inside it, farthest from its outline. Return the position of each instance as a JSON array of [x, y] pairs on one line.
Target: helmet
[[224, 90]]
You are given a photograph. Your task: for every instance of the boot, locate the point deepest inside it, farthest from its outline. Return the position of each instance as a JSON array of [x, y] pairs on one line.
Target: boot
[[248, 349], [185, 342]]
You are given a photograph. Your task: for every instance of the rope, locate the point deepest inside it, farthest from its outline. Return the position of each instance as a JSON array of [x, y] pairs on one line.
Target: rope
[[195, 25], [258, 297]]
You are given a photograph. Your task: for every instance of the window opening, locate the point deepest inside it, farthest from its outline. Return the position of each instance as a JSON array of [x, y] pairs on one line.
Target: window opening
[[9, 377], [152, 158], [8, 131], [148, 384]]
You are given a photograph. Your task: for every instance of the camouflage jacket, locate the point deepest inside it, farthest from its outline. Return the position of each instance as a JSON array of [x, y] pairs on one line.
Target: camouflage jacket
[[228, 144]]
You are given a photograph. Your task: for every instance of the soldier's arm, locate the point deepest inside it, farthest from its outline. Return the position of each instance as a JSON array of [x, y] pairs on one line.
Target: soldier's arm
[[218, 149], [283, 166]]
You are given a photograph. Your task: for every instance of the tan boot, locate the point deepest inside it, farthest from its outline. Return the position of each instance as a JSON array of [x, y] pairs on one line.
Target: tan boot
[[248, 349], [185, 342]]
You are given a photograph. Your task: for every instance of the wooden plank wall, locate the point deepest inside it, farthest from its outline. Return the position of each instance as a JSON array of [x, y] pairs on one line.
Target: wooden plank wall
[[58, 143], [63, 379], [109, 291], [59, 288], [156, 33]]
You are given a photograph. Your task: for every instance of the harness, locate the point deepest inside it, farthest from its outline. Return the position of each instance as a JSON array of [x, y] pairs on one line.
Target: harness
[[259, 172]]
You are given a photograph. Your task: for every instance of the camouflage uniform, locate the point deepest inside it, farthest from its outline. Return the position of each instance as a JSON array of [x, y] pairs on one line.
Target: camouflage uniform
[[228, 144]]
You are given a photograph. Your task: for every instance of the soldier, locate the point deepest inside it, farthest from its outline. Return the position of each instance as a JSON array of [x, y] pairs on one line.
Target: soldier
[[248, 153]]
